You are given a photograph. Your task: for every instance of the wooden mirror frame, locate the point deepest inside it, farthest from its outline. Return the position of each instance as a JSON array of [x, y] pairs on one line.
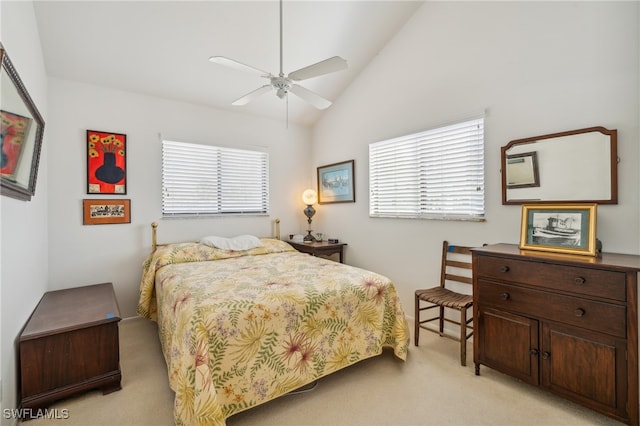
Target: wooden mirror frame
[[613, 166], [27, 160]]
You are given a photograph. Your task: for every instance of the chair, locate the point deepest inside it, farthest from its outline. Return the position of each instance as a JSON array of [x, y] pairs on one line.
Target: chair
[[455, 259]]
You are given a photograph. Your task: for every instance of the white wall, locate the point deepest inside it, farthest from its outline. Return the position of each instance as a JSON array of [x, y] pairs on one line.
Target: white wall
[[23, 258], [87, 254], [536, 68]]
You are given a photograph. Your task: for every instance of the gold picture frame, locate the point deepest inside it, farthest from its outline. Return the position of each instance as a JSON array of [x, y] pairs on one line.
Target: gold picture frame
[[103, 212], [559, 228]]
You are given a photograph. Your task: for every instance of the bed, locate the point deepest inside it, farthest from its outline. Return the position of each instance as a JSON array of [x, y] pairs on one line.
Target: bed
[[239, 328]]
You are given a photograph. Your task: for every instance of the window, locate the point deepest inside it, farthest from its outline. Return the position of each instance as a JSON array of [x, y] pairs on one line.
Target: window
[[199, 180], [436, 174]]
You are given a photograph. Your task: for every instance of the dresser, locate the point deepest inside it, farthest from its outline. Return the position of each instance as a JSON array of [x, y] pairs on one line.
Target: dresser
[[69, 345], [565, 323]]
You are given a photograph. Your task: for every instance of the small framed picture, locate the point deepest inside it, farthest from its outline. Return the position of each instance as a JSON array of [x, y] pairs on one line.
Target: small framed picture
[[336, 183], [103, 212], [560, 228], [522, 170], [106, 163]]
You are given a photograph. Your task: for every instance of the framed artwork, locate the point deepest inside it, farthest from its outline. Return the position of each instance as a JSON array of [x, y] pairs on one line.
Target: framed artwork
[[14, 129], [522, 170], [102, 212], [336, 183], [106, 163], [560, 228], [21, 134]]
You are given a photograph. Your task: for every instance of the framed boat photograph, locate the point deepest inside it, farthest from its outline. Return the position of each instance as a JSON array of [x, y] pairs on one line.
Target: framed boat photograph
[[559, 228]]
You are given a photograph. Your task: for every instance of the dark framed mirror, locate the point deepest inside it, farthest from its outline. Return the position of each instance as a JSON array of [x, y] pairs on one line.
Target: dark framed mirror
[[577, 166], [21, 133]]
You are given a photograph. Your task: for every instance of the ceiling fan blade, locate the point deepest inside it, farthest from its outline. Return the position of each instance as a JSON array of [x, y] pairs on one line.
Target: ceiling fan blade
[[222, 60], [252, 95], [323, 67], [309, 96]]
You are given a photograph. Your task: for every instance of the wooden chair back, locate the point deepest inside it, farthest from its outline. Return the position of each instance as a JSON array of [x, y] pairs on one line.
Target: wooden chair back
[[456, 265]]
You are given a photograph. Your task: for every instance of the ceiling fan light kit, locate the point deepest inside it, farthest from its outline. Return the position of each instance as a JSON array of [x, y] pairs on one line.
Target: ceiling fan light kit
[[281, 84]]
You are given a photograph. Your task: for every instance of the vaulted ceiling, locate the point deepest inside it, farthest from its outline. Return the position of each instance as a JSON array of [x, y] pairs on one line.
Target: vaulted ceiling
[[161, 48]]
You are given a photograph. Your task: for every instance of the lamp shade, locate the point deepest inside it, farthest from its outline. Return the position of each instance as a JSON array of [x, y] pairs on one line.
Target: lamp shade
[[309, 197]]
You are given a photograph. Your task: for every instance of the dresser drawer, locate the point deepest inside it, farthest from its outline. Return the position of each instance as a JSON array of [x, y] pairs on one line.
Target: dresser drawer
[[583, 281], [589, 314]]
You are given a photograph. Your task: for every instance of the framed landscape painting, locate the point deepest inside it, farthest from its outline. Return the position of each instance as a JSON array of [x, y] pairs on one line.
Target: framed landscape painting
[[336, 183], [561, 228]]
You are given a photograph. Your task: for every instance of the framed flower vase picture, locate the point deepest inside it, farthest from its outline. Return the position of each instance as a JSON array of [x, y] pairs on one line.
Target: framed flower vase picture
[[102, 212], [559, 228], [106, 163]]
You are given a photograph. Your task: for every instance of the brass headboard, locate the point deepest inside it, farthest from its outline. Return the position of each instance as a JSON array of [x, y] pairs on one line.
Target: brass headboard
[[154, 234]]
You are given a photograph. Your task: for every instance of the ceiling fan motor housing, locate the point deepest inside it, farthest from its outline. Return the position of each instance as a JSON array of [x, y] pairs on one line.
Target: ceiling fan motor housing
[[282, 85]]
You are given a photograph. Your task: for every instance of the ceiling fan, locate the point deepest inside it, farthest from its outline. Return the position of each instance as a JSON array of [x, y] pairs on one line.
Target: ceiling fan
[[284, 84]]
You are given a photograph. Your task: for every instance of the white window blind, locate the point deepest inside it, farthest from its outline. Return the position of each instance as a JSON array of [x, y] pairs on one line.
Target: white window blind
[[435, 174], [210, 180]]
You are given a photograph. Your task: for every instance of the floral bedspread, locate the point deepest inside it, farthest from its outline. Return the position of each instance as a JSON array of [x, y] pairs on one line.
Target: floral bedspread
[[241, 328]]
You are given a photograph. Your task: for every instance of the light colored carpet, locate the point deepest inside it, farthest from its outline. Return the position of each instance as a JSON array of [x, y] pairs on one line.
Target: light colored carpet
[[431, 388]]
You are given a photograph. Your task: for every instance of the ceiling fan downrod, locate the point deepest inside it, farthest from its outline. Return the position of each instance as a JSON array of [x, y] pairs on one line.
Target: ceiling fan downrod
[[281, 72]]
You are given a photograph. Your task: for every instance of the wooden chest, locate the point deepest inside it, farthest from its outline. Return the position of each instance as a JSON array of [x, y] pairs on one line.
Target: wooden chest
[[70, 345]]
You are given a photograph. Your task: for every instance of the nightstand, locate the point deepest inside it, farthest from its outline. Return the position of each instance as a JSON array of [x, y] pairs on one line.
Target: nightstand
[[320, 249], [70, 345]]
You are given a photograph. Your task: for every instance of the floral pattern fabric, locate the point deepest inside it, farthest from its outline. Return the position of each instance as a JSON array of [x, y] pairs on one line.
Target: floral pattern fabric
[[241, 328]]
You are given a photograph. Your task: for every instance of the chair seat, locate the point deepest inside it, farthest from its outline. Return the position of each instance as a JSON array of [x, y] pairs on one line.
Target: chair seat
[[445, 297]]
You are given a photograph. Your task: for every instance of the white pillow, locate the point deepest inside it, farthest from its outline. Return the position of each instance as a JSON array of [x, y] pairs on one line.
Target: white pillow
[[241, 242]]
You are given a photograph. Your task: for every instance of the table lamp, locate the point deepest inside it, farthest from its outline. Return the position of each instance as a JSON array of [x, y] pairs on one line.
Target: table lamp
[[309, 197]]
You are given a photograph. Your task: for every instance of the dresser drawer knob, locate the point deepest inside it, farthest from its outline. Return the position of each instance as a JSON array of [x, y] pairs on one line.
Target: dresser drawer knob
[[546, 355], [579, 312], [580, 280], [534, 352], [504, 269], [504, 296]]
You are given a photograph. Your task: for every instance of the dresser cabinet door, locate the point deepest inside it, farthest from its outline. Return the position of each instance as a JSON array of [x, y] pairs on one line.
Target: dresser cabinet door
[[508, 343], [585, 366]]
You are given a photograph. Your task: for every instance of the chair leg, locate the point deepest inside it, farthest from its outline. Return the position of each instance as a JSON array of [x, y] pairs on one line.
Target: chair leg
[[463, 337], [441, 319], [416, 331]]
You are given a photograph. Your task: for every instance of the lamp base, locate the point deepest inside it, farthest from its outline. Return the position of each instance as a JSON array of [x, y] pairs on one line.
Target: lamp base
[[309, 238]]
